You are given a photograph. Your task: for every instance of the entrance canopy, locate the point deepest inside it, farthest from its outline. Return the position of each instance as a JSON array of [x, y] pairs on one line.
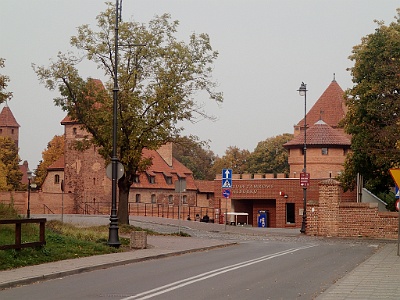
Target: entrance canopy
[[233, 216]]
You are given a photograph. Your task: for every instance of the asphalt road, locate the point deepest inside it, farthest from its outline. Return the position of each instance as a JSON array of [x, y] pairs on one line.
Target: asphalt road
[[253, 269]]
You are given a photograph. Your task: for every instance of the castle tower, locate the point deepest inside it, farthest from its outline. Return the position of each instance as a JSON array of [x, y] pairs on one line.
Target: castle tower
[[9, 127], [327, 144]]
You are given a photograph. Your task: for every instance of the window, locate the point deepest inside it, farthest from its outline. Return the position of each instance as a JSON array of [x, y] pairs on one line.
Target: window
[[168, 179], [56, 179], [184, 201], [12, 131], [345, 151], [152, 179], [324, 151], [74, 131], [137, 200], [171, 199], [1, 131], [153, 198], [290, 213]]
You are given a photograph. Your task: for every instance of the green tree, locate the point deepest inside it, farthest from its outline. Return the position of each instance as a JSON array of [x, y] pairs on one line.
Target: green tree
[[235, 159], [270, 156], [374, 109], [55, 149], [196, 156], [156, 81], [4, 95], [10, 164]]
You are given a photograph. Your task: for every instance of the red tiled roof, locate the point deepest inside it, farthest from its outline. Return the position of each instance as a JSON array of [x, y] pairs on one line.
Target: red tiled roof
[[159, 169], [330, 107], [320, 134], [7, 118], [205, 186], [57, 165]]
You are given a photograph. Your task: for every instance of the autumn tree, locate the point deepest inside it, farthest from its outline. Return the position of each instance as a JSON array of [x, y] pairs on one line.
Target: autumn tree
[[373, 117], [9, 159], [235, 159], [157, 82], [54, 150], [270, 156], [3, 177], [4, 95], [196, 156]]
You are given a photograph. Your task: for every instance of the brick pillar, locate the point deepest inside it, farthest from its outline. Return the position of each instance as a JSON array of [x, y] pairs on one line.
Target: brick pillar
[[329, 200]]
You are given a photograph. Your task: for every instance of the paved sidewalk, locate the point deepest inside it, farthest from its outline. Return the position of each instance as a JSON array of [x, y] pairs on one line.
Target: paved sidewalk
[[376, 278]]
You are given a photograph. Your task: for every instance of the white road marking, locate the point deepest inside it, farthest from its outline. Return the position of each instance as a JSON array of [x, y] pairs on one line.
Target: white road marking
[[181, 283]]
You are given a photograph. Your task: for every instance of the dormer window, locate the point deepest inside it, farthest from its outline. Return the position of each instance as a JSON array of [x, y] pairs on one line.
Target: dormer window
[[152, 179], [168, 179]]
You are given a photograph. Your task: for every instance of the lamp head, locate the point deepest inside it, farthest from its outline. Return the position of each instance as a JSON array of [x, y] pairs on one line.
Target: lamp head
[[302, 89], [29, 174]]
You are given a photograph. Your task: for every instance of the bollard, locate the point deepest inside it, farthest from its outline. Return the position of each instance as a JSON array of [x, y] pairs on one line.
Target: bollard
[[138, 240]]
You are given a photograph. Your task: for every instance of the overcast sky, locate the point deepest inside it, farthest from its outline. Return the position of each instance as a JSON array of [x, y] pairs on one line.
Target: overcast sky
[[266, 49]]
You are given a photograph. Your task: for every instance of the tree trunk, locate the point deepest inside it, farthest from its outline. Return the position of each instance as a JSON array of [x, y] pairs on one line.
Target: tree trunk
[[123, 205]]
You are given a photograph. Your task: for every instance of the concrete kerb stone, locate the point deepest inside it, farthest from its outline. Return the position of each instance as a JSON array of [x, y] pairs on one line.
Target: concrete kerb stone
[[54, 270]]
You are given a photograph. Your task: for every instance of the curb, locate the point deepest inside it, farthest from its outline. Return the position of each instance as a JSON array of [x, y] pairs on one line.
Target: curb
[[106, 265]]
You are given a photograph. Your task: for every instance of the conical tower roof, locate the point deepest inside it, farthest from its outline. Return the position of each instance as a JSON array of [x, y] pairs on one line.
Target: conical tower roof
[[7, 118], [330, 107], [320, 134]]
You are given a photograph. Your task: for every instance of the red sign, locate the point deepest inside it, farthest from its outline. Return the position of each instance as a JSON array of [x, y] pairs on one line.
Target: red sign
[[304, 179]]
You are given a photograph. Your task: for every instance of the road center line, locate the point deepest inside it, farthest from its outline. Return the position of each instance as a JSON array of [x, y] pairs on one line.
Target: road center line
[[181, 283]]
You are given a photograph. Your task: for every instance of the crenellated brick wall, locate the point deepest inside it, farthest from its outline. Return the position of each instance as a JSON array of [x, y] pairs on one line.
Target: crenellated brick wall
[[330, 216]]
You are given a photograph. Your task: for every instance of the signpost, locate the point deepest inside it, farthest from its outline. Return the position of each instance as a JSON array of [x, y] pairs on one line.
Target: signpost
[[304, 179], [226, 185]]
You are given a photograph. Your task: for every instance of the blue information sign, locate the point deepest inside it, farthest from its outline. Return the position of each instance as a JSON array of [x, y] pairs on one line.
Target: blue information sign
[[227, 178]]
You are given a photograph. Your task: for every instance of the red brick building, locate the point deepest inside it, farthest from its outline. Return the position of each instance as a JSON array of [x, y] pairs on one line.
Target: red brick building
[[282, 198], [9, 127], [88, 190]]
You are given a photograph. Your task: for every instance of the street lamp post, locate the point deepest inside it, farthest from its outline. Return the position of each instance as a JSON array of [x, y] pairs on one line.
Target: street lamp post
[[28, 211], [303, 92], [113, 238]]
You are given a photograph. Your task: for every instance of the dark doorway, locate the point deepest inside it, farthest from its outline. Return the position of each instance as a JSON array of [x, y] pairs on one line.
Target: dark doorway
[[290, 213]]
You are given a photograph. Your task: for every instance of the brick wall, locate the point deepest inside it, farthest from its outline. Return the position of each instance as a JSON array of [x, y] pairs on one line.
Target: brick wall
[[330, 216], [318, 165]]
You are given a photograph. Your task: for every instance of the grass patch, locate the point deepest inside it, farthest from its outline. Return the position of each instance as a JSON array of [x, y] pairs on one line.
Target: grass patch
[[63, 241]]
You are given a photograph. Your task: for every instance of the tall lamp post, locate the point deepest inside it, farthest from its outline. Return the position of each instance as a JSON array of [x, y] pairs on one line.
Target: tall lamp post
[[113, 239], [303, 92], [28, 211]]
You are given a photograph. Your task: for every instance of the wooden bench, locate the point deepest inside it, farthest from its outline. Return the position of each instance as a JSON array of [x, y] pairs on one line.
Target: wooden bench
[[18, 224]]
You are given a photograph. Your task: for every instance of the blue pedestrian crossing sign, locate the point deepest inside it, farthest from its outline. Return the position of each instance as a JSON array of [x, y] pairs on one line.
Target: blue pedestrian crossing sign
[[226, 178]]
